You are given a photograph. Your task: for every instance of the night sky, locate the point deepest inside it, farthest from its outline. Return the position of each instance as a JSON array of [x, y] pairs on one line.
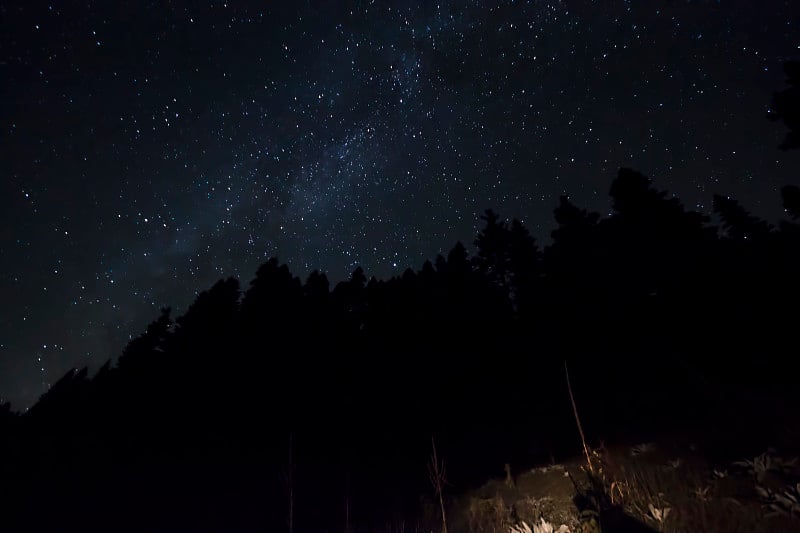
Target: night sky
[[149, 148]]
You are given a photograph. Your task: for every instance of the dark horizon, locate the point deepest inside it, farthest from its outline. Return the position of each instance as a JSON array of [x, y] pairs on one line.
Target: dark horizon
[[714, 223]]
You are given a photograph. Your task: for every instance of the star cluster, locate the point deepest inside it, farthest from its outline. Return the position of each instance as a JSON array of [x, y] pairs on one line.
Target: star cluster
[[149, 149]]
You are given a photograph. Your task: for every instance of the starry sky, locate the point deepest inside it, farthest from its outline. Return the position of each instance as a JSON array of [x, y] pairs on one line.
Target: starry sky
[[148, 148]]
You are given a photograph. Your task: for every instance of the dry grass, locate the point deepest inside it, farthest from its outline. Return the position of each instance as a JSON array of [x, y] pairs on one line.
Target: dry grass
[[489, 515], [659, 491], [683, 494]]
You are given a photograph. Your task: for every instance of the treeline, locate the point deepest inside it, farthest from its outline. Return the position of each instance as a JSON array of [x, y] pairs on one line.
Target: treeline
[[294, 399], [665, 319]]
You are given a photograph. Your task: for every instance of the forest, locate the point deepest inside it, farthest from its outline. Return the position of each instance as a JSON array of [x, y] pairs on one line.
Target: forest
[[294, 405]]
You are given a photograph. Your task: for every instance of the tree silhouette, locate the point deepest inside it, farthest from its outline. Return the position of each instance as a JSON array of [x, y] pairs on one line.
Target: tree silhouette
[[349, 301], [316, 302], [525, 265], [572, 266], [738, 224], [786, 106], [791, 200], [273, 299], [457, 262], [139, 356], [507, 256], [492, 259]]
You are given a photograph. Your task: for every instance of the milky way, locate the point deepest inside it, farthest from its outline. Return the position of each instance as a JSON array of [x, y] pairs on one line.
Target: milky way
[[150, 148]]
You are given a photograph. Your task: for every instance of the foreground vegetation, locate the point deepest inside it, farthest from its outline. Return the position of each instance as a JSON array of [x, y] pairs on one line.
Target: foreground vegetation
[[640, 488]]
